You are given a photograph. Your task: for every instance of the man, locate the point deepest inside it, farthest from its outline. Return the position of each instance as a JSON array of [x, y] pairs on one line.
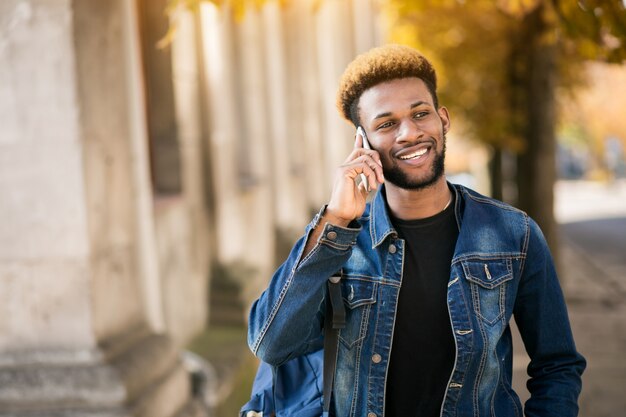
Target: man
[[432, 272]]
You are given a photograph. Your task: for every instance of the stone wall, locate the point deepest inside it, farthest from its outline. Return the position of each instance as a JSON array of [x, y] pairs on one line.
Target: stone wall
[[128, 173], [87, 289]]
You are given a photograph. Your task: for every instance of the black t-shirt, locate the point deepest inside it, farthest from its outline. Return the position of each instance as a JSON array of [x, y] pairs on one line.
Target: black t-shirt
[[422, 354]]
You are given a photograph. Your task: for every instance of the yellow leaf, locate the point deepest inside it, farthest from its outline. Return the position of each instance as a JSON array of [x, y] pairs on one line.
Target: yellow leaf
[[167, 39], [518, 8]]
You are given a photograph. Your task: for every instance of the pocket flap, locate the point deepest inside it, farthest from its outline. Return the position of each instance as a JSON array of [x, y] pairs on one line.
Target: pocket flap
[[488, 274], [356, 292]]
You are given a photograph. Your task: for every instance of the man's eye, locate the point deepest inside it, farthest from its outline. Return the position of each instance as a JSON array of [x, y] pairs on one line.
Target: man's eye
[[420, 115], [385, 125]]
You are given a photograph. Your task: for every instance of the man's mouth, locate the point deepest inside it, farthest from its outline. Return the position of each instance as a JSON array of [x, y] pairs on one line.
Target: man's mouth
[[415, 154]]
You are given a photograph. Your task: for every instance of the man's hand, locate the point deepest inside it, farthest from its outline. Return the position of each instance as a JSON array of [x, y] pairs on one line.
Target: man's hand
[[348, 198]]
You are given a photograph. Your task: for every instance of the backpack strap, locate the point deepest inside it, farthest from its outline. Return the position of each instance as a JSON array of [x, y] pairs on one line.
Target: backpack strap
[[335, 319]]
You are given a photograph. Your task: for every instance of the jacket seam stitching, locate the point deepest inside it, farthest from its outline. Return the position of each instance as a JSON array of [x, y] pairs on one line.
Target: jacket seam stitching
[[483, 356], [525, 245], [371, 365], [335, 245], [490, 201], [491, 256], [359, 351], [503, 382]]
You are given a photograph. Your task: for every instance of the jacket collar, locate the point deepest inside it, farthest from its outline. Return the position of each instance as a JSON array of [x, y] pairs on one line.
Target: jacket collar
[[380, 223]]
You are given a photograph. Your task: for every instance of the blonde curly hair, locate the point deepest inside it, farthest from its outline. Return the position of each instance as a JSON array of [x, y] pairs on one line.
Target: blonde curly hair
[[384, 63]]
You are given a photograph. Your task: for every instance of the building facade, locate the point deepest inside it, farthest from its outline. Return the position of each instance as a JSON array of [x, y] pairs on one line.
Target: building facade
[[128, 171]]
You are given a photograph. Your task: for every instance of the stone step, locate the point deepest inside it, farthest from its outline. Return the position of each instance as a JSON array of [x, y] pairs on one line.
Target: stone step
[[226, 306]]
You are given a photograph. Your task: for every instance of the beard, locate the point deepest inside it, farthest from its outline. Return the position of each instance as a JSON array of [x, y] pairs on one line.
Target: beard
[[399, 178]]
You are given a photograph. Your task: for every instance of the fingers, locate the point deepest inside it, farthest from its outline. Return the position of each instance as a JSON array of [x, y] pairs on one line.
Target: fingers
[[359, 152], [361, 139], [373, 162], [358, 141], [361, 172], [377, 172], [368, 168]]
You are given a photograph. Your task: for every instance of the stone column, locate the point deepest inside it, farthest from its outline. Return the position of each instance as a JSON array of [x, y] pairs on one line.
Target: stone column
[[335, 49], [182, 223], [368, 27], [289, 195], [304, 90], [75, 333], [231, 171], [218, 50], [254, 154]]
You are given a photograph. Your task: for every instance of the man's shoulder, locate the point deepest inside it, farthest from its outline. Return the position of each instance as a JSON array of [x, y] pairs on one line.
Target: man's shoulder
[[475, 200], [479, 210], [490, 226]]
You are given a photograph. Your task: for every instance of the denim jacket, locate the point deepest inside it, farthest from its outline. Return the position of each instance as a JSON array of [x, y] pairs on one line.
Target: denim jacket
[[501, 268]]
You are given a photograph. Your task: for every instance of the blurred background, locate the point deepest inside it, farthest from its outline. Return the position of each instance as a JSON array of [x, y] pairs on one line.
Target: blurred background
[[159, 158]]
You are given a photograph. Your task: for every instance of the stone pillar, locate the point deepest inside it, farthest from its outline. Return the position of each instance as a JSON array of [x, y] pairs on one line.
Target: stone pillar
[[218, 47], [161, 111], [231, 171], [148, 262], [289, 194], [182, 222], [254, 154], [76, 338], [368, 25], [304, 90], [335, 49]]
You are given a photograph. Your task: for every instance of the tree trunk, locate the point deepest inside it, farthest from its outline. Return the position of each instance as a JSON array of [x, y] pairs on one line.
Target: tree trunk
[[536, 163], [495, 174]]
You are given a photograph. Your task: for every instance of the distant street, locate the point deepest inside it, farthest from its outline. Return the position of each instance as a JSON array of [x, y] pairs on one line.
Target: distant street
[[593, 223], [586, 200]]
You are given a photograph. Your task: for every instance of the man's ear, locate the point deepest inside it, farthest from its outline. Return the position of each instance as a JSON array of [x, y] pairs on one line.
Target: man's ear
[[445, 119]]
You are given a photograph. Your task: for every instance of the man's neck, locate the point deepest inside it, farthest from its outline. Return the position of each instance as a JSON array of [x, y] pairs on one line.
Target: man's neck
[[418, 204]]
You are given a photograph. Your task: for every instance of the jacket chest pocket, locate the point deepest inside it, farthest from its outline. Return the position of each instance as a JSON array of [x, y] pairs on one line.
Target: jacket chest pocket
[[358, 297], [488, 283]]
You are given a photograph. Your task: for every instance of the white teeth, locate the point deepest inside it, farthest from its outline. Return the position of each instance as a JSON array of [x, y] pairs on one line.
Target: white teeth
[[415, 154]]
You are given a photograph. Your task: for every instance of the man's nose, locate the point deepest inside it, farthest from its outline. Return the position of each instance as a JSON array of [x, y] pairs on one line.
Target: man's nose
[[409, 132]]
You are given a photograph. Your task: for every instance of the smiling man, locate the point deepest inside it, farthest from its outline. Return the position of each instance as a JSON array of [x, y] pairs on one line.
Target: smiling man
[[432, 272]]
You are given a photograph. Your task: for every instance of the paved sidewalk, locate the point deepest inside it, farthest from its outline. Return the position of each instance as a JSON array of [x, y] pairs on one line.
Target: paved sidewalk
[[593, 274]]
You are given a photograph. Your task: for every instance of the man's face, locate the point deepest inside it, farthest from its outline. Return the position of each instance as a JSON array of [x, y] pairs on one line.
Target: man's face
[[406, 129]]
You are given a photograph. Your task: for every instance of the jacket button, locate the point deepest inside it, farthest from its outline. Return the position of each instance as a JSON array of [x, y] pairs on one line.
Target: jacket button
[[376, 358], [371, 414], [331, 235], [392, 249]]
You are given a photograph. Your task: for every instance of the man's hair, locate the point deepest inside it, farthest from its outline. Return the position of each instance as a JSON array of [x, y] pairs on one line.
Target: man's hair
[[379, 65]]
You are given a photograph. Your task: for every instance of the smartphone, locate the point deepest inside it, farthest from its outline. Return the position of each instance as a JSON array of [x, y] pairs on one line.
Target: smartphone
[[366, 145], [361, 131]]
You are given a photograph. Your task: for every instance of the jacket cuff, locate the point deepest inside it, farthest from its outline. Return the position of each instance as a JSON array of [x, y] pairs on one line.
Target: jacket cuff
[[334, 235]]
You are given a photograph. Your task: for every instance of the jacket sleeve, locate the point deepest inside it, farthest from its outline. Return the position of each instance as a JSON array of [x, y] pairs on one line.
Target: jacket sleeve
[[286, 320], [555, 367]]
